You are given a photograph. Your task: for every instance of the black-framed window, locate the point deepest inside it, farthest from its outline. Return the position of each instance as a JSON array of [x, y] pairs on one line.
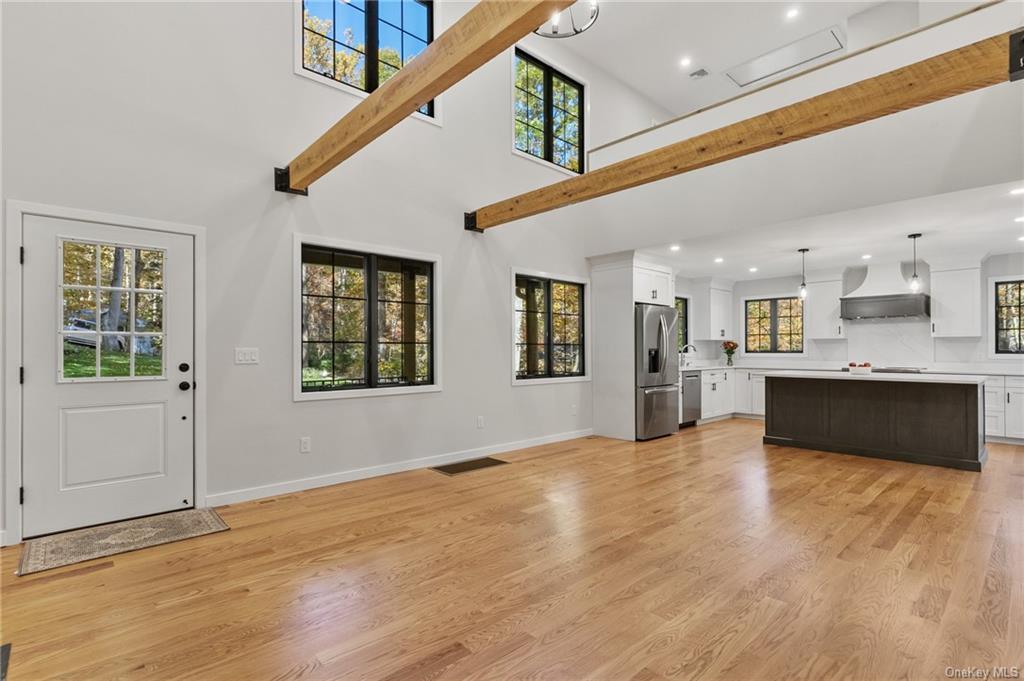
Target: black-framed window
[[363, 43], [683, 325], [548, 113], [1009, 304], [367, 320], [775, 325], [549, 328]]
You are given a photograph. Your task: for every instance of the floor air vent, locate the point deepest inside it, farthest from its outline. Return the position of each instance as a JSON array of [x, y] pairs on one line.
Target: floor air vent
[[467, 466], [787, 57]]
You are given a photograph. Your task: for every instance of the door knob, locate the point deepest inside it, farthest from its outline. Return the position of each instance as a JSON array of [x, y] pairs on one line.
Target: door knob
[[184, 385], [183, 367]]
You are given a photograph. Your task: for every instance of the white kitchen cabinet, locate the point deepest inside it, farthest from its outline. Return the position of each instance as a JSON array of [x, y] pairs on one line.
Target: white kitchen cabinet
[[742, 391], [1014, 408], [956, 312], [995, 406], [653, 286], [711, 314], [995, 425], [821, 311], [717, 393], [757, 394]]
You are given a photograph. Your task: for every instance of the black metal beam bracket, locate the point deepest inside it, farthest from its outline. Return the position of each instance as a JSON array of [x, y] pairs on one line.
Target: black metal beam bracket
[[470, 223], [1017, 55], [283, 182]]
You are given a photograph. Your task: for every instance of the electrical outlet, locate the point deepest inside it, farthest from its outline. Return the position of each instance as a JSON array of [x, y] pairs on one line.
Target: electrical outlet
[[305, 445], [247, 355], [480, 422]]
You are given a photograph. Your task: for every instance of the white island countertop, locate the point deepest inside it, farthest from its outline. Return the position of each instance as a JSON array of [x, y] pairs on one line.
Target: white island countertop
[[893, 378]]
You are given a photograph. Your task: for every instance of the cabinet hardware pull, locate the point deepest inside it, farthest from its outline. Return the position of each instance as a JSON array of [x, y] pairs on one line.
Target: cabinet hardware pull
[[933, 327], [654, 293]]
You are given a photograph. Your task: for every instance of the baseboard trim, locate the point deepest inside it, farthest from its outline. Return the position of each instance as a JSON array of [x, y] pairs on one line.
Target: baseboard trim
[[291, 486], [1004, 440]]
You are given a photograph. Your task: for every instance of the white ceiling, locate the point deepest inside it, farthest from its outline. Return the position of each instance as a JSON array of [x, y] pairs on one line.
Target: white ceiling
[[642, 42], [970, 223]]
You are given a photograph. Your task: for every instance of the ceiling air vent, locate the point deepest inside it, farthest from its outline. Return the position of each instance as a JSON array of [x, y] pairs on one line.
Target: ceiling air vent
[[698, 74], [790, 56]]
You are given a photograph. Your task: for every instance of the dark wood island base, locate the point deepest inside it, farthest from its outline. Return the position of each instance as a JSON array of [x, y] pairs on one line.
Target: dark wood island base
[[929, 419]]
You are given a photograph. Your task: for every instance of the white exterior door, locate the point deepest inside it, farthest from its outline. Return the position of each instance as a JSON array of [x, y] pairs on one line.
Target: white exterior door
[[108, 384]]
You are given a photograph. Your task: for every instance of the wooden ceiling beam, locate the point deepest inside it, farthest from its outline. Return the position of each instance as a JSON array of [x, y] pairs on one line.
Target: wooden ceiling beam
[[486, 30], [968, 68]]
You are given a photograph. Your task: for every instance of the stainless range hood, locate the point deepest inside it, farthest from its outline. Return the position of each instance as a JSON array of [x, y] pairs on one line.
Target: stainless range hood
[[883, 295]]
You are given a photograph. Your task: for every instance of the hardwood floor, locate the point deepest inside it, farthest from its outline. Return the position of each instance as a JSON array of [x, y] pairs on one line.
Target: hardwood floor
[[705, 555]]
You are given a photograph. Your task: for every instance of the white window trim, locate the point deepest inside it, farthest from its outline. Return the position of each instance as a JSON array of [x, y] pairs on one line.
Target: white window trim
[[990, 332], [743, 329], [553, 63], [572, 279], [376, 249], [348, 89]]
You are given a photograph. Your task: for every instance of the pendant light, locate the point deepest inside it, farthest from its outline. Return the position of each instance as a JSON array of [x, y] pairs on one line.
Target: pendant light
[[915, 281], [803, 271], [570, 21]]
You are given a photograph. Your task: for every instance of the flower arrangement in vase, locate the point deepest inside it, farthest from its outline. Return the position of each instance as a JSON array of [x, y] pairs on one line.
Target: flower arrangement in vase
[[729, 347]]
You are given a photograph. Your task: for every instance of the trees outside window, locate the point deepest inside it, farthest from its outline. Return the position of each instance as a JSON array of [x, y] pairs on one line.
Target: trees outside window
[[367, 320], [774, 325], [1009, 317], [549, 328], [548, 113], [362, 43]]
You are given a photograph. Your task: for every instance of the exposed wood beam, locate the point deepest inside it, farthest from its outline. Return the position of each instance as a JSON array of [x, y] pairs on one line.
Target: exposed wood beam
[[487, 29], [968, 68]]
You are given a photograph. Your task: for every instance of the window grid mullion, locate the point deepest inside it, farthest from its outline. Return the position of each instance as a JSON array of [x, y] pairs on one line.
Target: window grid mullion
[[372, 46], [549, 111], [372, 345], [549, 331]]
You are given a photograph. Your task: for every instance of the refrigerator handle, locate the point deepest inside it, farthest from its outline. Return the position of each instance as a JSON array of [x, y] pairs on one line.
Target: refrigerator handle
[[663, 350]]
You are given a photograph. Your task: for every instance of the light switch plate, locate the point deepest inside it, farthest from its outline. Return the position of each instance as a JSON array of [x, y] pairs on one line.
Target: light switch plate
[[247, 355]]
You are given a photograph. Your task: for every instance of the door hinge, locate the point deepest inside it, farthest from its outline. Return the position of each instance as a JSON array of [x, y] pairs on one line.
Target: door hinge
[[21, 375], [21, 255], [21, 496]]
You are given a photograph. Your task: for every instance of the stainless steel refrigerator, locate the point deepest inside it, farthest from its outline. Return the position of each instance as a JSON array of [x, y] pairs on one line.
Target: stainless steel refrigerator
[[657, 371]]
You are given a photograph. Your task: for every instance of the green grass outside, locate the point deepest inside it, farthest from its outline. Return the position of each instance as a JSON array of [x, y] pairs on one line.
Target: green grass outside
[[80, 362]]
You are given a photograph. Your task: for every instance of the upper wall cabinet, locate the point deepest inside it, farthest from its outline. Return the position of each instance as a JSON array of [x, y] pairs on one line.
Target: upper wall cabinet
[[821, 311], [652, 284], [956, 303], [711, 315]]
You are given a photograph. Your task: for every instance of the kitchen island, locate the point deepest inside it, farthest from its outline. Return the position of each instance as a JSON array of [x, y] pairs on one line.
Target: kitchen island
[[935, 419]]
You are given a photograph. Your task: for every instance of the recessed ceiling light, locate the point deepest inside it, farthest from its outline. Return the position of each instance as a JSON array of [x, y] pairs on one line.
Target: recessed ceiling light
[[685, 62], [753, 269], [866, 256], [674, 247], [719, 259], [1020, 238], [792, 13], [1020, 219], [1017, 192]]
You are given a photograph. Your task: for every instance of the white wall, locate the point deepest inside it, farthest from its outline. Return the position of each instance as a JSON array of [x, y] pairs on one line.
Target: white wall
[[179, 111]]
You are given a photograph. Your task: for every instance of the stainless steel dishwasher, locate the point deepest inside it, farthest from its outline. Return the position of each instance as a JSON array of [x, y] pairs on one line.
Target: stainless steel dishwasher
[[690, 385]]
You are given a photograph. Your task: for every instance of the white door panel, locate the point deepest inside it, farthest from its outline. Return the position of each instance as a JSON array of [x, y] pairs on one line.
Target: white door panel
[[108, 357]]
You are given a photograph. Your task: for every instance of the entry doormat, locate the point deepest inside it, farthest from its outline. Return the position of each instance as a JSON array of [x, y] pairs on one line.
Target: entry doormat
[[467, 466], [67, 548]]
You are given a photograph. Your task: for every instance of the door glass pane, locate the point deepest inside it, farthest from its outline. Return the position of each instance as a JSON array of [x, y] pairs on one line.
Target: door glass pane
[[149, 269], [79, 264], [115, 266], [149, 312], [80, 356], [149, 355], [115, 355], [115, 313], [79, 309]]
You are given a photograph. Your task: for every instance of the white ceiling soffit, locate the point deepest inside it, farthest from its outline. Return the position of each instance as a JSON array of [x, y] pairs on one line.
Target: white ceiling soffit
[[787, 57]]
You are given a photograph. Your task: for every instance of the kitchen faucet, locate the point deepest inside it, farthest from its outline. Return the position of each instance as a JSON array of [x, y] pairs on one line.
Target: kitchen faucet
[[684, 352]]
